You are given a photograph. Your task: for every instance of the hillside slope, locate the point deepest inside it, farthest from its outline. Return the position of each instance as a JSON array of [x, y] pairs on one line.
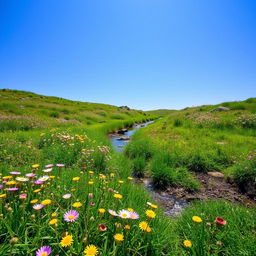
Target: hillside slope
[[20, 110]]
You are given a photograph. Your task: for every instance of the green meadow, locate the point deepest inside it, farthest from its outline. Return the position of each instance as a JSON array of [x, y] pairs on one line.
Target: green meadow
[[63, 186]]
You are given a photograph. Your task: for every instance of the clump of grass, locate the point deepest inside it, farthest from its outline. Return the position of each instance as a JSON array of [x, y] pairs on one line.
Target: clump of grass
[[138, 166]]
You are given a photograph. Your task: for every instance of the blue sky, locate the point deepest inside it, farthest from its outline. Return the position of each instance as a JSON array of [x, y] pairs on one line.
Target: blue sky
[[146, 54]]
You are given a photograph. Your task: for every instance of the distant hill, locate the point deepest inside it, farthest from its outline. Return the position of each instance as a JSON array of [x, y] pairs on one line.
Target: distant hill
[[40, 111]]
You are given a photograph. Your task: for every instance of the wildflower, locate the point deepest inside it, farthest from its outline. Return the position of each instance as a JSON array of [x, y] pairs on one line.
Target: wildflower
[[23, 196], [130, 209], [7, 177], [52, 177], [37, 190], [90, 195], [11, 182], [34, 201], [53, 221], [219, 243], [46, 202], [2, 195], [12, 189], [73, 189], [66, 196], [91, 172], [66, 241], [90, 182], [44, 178], [127, 227], [30, 175], [92, 203], [124, 214], [76, 179], [47, 170], [14, 240], [38, 206], [15, 173], [35, 165], [153, 206], [71, 216], [134, 215], [44, 251], [143, 225], [49, 166], [21, 179], [130, 178], [54, 214], [60, 165], [148, 229], [101, 210], [151, 214], [220, 221], [102, 227], [119, 237], [196, 219], [77, 204], [91, 250], [39, 182], [118, 196], [113, 213], [120, 181], [187, 243]]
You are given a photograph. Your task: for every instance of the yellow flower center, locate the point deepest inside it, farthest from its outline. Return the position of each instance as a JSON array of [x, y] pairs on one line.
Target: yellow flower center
[[71, 217]]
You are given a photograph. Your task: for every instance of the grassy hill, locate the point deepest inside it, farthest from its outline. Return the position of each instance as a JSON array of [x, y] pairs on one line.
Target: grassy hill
[[20, 110]]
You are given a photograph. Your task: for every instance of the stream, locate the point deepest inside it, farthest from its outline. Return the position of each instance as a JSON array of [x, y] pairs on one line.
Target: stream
[[172, 206]]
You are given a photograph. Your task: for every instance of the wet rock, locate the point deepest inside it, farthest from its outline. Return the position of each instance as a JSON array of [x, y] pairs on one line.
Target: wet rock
[[216, 174], [124, 138], [122, 131]]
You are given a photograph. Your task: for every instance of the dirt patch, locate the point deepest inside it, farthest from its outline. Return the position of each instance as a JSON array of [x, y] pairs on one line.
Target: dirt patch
[[212, 188]]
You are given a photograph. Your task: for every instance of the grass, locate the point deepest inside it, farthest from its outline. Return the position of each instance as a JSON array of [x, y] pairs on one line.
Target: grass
[[99, 178]]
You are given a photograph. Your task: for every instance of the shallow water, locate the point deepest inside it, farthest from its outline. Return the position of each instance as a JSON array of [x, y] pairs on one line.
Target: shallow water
[[120, 144], [172, 206]]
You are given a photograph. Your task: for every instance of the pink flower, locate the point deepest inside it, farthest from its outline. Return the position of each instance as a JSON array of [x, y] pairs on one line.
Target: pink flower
[[220, 221], [71, 216]]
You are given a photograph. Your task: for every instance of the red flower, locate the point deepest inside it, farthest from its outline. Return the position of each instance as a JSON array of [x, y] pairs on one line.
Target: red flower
[[102, 227], [220, 221]]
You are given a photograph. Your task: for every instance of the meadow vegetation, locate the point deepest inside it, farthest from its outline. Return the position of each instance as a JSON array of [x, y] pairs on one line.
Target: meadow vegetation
[[65, 191]]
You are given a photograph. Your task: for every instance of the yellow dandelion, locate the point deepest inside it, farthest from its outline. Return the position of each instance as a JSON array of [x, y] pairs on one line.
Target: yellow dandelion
[[187, 243], [148, 229], [118, 196], [90, 182], [7, 177], [127, 227], [91, 172], [76, 179], [53, 221], [35, 165], [150, 214], [91, 250], [143, 225], [77, 204], [46, 202], [11, 182], [196, 219], [54, 214], [120, 181], [130, 209], [119, 237], [34, 201], [2, 195], [52, 177], [154, 206], [101, 210], [37, 190], [66, 241]]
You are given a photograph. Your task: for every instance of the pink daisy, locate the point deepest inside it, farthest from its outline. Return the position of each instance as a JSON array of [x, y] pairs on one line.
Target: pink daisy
[[71, 216], [44, 251]]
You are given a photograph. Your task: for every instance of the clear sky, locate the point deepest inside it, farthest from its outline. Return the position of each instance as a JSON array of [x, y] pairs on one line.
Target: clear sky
[[146, 54]]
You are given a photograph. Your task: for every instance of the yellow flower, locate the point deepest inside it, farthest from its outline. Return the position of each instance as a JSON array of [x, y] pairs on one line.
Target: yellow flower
[[120, 181], [119, 237], [35, 165], [90, 182], [52, 177], [91, 172], [148, 229], [34, 201], [101, 210], [76, 179], [151, 214], [187, 243], [77, 204], [66, 241], [130, 178], [12, 182], [37, 190], [118, 196], [130, 210], [7, 177], [143, 225], [196, 219], [91, 250], [46, 202], [53, 221], [73, 189], [127, 227], [2, 195], [112, 174], [54, 214], [153, 206]]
